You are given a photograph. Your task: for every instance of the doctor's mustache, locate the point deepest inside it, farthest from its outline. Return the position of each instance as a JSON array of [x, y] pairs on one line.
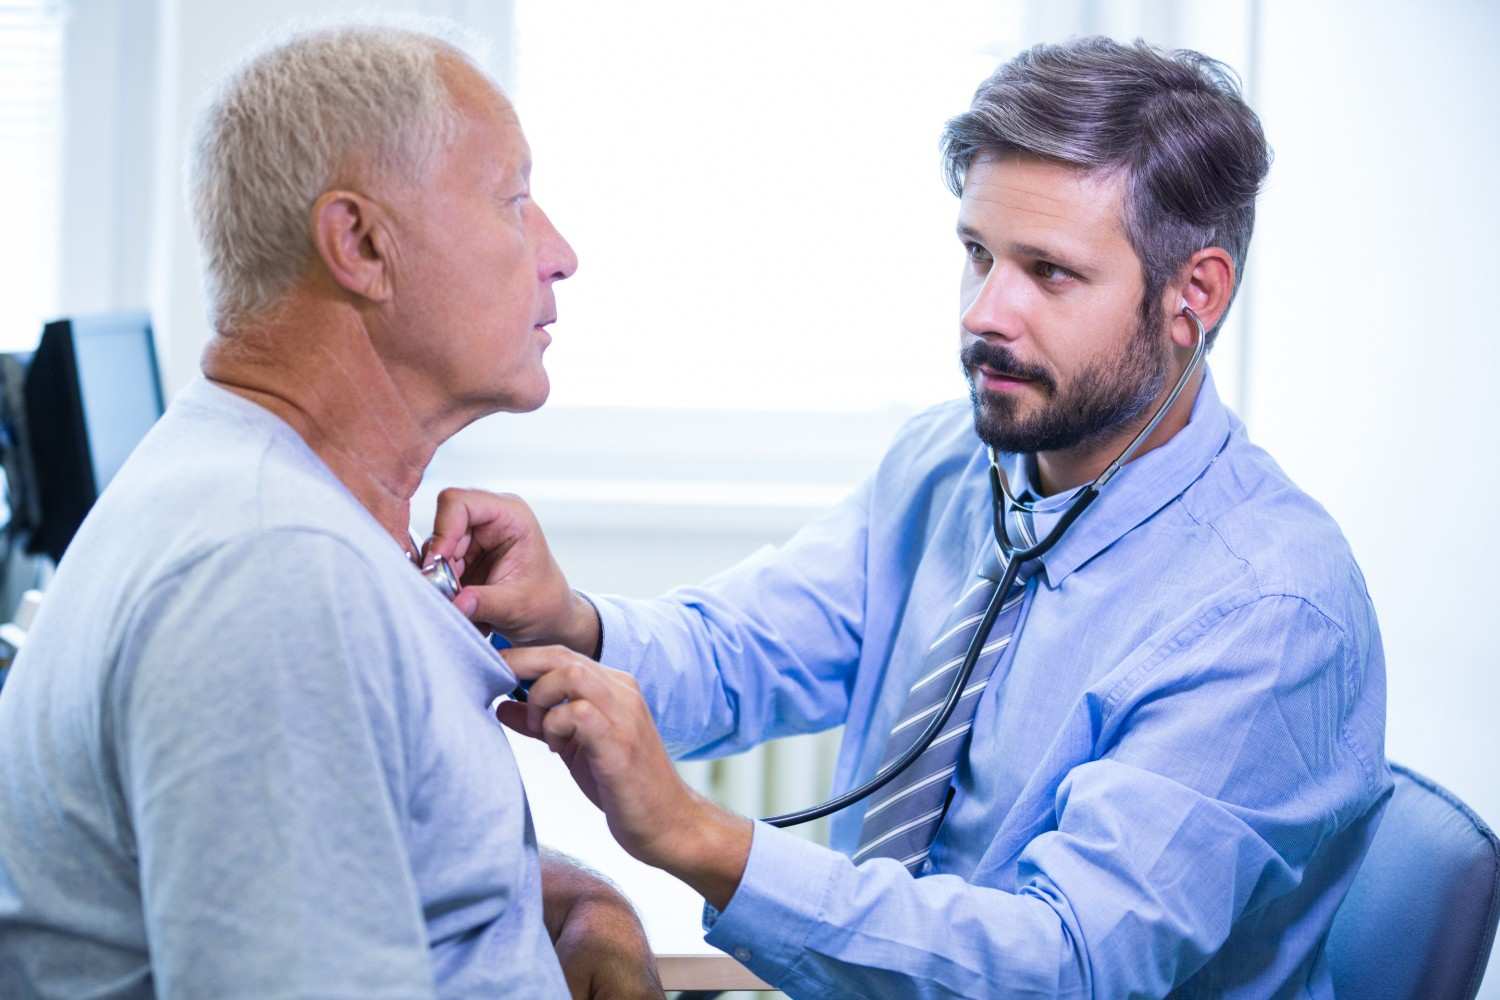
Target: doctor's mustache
[[1001, 360]]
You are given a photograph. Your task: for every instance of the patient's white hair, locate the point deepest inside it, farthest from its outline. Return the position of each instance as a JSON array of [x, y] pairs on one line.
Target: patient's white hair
[[334, 104]]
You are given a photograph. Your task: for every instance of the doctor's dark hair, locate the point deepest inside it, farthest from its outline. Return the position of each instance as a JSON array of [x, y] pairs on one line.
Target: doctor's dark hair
[[1192, 151]]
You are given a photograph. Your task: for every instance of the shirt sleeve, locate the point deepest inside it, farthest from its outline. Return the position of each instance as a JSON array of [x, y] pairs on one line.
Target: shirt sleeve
[[1225, 768], [779, 635], [258, 733]]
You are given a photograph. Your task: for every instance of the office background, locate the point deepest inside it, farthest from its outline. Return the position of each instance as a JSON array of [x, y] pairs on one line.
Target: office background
[[768, 279]]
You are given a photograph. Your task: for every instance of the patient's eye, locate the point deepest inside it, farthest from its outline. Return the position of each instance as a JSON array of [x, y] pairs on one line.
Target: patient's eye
[[515, 199]]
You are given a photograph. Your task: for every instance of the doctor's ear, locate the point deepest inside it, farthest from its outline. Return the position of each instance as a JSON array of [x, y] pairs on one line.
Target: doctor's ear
[[351, 239], [1205, 284]]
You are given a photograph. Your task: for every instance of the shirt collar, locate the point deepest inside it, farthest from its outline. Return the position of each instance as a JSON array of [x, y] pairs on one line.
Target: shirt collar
[[1144, 486]]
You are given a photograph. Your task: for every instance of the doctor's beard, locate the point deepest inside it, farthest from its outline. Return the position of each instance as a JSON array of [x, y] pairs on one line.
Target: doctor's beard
[[1108, 394]]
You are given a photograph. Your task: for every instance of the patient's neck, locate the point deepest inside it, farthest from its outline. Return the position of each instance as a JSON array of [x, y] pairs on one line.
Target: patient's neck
[[314, 366]]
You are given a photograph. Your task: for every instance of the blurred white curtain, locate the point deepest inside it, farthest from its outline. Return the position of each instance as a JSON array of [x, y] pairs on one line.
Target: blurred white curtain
[[31, 76]]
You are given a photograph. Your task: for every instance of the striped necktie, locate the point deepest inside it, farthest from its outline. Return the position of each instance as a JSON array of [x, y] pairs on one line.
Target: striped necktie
[[904, 817]]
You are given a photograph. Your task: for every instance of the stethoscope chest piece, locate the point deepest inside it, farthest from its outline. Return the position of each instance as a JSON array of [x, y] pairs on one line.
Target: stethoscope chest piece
[[439, 573]]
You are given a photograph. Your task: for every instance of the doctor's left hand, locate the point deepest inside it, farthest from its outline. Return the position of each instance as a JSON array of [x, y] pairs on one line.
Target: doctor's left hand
[[595, 719]]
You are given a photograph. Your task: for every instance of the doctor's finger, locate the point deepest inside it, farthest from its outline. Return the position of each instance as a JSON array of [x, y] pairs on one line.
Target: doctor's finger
[[562, 675], [454, 552], [456, 510], [492, 522], [531, 662], [570, 677], [515, 715], [576, 725]]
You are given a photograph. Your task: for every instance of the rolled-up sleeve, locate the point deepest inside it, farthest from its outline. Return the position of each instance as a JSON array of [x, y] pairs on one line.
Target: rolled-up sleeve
[[765, 649], [1230, 767]]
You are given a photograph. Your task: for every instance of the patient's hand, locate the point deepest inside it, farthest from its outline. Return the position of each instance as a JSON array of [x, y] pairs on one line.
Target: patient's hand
[[598, 938], [510, 580]]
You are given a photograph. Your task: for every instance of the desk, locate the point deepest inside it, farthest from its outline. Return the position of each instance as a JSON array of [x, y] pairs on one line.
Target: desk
[[705, 972], [671, 912]]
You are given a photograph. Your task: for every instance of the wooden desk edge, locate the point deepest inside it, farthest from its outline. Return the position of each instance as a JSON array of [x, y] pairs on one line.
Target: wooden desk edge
[[706, 972]]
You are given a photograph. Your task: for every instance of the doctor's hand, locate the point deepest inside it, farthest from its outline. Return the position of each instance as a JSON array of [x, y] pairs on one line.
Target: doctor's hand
[[595, 720], [510, 580]]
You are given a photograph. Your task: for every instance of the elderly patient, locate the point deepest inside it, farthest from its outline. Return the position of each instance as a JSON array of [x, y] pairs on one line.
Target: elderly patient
[[247, 750]]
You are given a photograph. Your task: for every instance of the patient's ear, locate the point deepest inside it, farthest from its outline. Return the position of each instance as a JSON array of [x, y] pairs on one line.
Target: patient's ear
[[350, 237]]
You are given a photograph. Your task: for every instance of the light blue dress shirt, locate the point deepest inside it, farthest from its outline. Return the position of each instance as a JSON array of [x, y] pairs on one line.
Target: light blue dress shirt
[[1172, 777]]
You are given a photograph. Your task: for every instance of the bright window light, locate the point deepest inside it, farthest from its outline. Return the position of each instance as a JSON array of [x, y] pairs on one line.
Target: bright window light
[[30, 135], [755, 195]]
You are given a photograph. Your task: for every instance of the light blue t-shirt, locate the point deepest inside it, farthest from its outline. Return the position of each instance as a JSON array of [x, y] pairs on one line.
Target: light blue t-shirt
[[247, 750]]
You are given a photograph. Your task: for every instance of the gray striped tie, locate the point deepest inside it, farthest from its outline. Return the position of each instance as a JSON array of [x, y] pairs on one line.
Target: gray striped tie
[[904, 816]]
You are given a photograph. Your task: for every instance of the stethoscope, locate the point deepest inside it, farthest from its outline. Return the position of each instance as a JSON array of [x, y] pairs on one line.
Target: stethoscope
[[1013, 557], [440, 574]]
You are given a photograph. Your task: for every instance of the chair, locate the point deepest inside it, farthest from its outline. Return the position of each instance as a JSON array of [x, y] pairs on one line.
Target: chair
[[1419, 920]]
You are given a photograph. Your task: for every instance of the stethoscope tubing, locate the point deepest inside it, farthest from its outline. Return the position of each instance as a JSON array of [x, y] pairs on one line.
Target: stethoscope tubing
[[935, 726], [1013, 558]]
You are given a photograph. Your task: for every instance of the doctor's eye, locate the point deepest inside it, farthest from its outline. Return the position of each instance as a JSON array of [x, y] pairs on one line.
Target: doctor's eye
[[1050, 273]]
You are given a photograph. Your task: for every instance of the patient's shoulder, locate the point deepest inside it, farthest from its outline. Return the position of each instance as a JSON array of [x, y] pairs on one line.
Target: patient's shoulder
[[215, 468], [219, 490]]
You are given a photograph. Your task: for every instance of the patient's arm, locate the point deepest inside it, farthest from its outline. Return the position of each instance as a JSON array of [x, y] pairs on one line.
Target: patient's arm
[[264, 769], [599, 939]]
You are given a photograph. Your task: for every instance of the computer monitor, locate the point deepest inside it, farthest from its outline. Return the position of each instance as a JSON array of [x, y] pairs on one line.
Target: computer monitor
[[92, 392]]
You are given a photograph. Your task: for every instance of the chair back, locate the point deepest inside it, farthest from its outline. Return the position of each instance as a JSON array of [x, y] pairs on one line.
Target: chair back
[[1419, 920]]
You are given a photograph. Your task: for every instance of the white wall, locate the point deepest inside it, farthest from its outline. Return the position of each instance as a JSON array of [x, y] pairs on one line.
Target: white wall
[[31, 97], [110, 87], [1374, 362]]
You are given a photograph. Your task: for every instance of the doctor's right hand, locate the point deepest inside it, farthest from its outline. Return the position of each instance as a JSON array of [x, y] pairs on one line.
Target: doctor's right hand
[[510, 580], [595, 719]]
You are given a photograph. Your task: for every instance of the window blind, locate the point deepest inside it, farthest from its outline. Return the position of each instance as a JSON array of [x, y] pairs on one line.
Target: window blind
[[31, 63]]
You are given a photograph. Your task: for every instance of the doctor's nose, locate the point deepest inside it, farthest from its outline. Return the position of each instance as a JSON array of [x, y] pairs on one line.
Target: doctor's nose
[[989, 308]]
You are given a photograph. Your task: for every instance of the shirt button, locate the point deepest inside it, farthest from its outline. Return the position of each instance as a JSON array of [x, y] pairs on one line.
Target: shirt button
[[742, 954]]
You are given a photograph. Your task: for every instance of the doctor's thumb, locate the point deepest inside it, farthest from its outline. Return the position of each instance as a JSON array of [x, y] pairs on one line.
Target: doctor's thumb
[[467, 602]]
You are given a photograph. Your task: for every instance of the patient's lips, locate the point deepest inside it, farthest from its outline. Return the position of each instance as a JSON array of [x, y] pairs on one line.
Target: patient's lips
[[541, 328]]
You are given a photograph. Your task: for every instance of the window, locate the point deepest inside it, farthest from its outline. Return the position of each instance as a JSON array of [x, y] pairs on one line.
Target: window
[[768, 279], [30, 134], [755, 195]]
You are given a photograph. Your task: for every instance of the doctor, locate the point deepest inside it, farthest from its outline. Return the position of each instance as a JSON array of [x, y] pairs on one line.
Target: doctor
[[1168, 761]]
